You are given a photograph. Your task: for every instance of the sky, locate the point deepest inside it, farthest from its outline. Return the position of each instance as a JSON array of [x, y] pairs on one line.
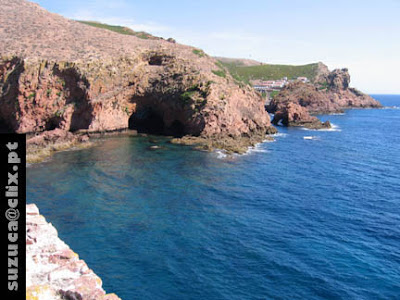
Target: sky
[[363, 36]]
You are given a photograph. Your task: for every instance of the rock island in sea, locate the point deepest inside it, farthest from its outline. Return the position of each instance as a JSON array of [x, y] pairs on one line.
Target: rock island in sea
[[328, 93]]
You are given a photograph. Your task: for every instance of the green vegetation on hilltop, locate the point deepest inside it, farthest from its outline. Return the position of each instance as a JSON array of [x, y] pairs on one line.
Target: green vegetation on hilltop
[[221, 72], [271, 72], [243, 71], [121, 30], [199, 52]]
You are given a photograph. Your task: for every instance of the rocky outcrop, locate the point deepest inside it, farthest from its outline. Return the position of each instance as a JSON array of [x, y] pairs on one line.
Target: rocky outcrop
[[53, 270], [338, 80], [60, 74], [293, 114], [230, 145], [54, 136], [303, 94], [42, 145], [330, 94], [321, 73]]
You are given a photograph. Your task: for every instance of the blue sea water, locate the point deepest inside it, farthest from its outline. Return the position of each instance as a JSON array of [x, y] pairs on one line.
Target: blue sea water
[[293, 219]]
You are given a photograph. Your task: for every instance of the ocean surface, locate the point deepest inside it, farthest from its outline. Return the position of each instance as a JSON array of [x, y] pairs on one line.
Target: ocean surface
[[293, 219]]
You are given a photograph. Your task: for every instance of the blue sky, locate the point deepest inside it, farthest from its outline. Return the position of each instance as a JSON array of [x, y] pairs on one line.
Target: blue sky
[[361, 35]]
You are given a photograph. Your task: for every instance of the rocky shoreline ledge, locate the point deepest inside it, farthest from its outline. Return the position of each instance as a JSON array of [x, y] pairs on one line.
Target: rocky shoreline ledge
[[40, 146], [43, 145], [53, 270]]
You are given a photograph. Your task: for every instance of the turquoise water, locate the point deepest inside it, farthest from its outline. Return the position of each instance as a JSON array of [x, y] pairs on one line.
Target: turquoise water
[[293, 219]]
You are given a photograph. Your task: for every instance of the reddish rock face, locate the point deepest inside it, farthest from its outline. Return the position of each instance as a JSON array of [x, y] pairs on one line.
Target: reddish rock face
[[293, 114], [322, 73], [303, 94], [60, 74], [51, 136], [297, 100], [339, 79]]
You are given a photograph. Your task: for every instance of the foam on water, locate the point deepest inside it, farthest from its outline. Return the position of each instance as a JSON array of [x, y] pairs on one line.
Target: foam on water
[[221, 154], [391, 107], [312, 138], [334, 127], [279, 134], [256, 149]]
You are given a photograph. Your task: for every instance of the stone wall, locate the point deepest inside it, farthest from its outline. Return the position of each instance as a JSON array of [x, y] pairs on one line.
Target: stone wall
[[53, 270]]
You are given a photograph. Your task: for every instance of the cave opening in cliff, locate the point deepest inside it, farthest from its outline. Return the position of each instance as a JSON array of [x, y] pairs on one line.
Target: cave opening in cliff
[[146, 120], [156, 60], [53, 123], [176, 129]]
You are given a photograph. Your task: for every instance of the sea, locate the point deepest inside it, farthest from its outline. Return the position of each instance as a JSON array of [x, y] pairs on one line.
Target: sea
[[312, 215]]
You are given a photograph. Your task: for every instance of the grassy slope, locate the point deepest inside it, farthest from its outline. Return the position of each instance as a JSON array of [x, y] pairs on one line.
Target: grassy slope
[[238, 70], [270, 72], [122, 30]]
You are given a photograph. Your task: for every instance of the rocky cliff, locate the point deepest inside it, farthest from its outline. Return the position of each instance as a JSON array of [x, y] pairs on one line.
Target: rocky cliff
[[330, 93], [60, 74], [53, 270]]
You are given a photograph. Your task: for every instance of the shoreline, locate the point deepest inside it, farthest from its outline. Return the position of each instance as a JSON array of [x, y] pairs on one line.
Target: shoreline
[[46, 144], [82, 139]]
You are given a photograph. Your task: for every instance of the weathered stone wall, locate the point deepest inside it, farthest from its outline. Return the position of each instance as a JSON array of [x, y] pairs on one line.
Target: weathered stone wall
[[53, 270]]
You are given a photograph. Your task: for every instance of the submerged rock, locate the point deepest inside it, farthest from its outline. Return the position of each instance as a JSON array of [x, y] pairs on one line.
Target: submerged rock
[[319, 125]]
